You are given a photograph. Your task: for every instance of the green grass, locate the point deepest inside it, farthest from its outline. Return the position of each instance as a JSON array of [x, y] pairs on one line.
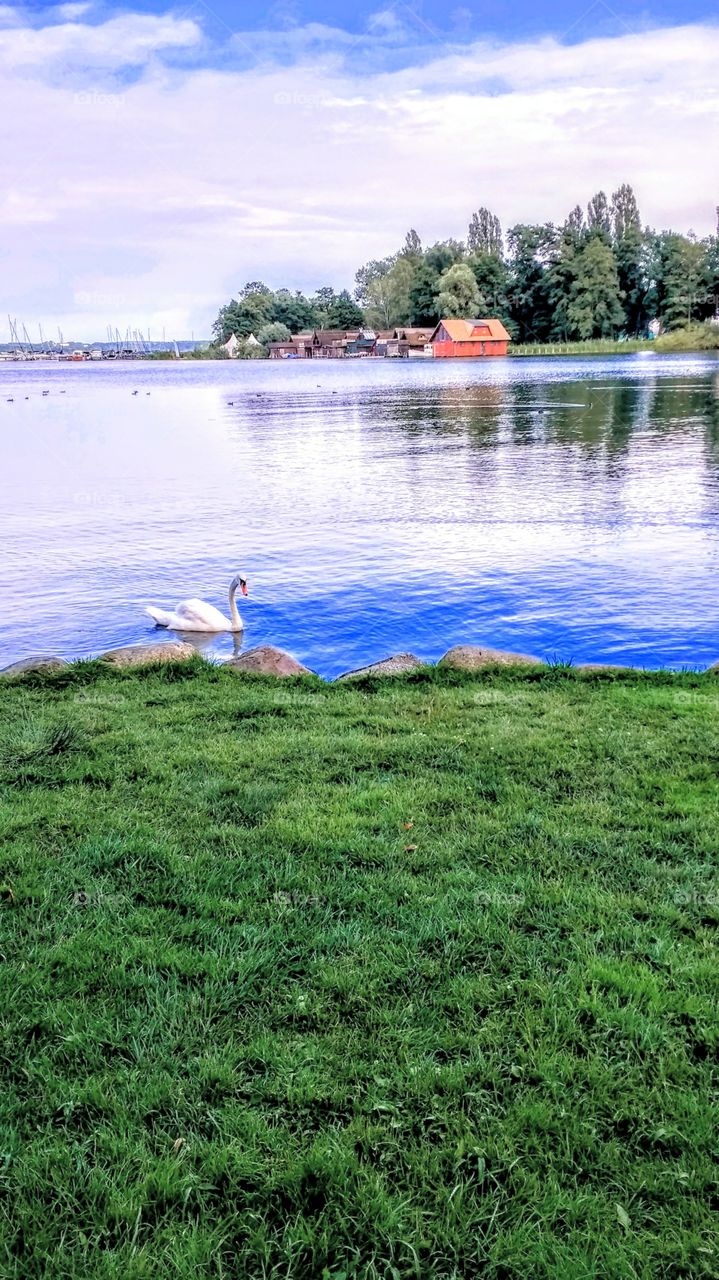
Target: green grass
[[255, 1024], [590, 347], [696, 337]]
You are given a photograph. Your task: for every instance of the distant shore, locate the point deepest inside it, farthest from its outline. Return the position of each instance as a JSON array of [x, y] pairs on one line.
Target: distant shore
[[693, 340]]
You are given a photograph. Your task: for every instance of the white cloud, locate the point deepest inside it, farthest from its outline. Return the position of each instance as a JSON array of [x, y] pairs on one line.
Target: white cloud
[[127, 203], [119, 42], [70, 12]]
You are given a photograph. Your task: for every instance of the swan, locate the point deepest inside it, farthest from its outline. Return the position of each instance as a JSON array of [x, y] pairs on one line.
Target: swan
[[197, 615]]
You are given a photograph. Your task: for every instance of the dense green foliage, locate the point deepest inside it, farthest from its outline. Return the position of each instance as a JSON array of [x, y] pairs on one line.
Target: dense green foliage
[[458, 293], [601, 274], [408, 979], [256, 307], [695, 337]]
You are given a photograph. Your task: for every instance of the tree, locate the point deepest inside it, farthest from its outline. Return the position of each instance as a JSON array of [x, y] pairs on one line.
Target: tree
[[484, 234], [227, 321], [379, 302], [629, 254], [683, 285], [531, 247], [595, 309], [458, 293], [367, 275], [254, 287], [492, 277], [274, 332], [322, 302], [574, 226], [412, 245], [293, 310], [344, 313], [389, 300], [712, 271], [423, 306], [561, 276], [243, 317], [599, 218], [444, 254], [624, 212]]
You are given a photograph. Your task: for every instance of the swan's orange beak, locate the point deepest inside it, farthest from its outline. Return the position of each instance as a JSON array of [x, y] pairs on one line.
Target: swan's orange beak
[[243, 588]]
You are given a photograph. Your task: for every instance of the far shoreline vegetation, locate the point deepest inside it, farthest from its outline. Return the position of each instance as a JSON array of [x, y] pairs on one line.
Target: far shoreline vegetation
[[600, 283]]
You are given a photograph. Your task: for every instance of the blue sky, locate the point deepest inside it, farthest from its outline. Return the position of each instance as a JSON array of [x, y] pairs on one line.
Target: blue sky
[[568, 20], [161, 155]]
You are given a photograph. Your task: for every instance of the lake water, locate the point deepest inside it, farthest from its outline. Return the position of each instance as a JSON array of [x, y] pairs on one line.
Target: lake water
[[564, 508]]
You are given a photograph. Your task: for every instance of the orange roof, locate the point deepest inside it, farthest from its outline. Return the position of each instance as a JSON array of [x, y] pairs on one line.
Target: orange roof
[[474, 330]]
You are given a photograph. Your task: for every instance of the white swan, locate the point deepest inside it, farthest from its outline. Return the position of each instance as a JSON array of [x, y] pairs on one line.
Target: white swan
[[197, 615]]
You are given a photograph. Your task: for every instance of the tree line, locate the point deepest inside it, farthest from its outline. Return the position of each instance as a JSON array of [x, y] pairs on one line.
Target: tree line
[[601, 274]]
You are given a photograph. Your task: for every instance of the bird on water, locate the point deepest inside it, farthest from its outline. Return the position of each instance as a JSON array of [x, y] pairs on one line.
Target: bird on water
[[198, 615]]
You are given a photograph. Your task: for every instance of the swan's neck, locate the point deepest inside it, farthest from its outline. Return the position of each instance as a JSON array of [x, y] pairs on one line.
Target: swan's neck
[[234, 614]]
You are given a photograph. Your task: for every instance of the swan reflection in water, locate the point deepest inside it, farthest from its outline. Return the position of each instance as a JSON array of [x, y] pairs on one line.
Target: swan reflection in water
[[212, 643]]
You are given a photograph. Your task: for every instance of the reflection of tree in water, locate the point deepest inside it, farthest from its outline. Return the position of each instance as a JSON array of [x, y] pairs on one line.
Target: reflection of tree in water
[[469, 414], [592, 437], [450, 409], [711, 453], [677, 403], [712, 411]]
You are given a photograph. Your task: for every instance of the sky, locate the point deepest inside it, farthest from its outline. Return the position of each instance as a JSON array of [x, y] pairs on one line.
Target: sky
[[154, 158]]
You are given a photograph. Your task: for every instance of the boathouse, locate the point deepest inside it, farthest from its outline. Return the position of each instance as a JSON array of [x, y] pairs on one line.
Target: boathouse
[[409, 343], [469, 338]]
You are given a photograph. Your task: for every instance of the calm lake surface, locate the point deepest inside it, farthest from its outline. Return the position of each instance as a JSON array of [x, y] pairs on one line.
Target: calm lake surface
[[567, 508]]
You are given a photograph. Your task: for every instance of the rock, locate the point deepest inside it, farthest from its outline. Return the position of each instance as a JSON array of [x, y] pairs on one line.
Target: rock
[[140, 655], [266, 660], [394, 666], [472, 657], [34, 664]]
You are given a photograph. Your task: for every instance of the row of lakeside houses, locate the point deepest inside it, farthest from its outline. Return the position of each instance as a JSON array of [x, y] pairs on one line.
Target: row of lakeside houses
[[448, 338]]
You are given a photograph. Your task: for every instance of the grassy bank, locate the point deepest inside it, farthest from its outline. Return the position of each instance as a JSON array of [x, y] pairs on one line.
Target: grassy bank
[[593, 347], [699, 337], [412, 979]]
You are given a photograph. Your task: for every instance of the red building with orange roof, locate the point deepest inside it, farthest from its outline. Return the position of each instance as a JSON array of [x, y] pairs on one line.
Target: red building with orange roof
[[469, 338]]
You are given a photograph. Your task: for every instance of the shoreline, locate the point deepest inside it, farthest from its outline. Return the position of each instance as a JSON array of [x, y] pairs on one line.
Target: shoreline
[[539, 351], [269, 660]]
